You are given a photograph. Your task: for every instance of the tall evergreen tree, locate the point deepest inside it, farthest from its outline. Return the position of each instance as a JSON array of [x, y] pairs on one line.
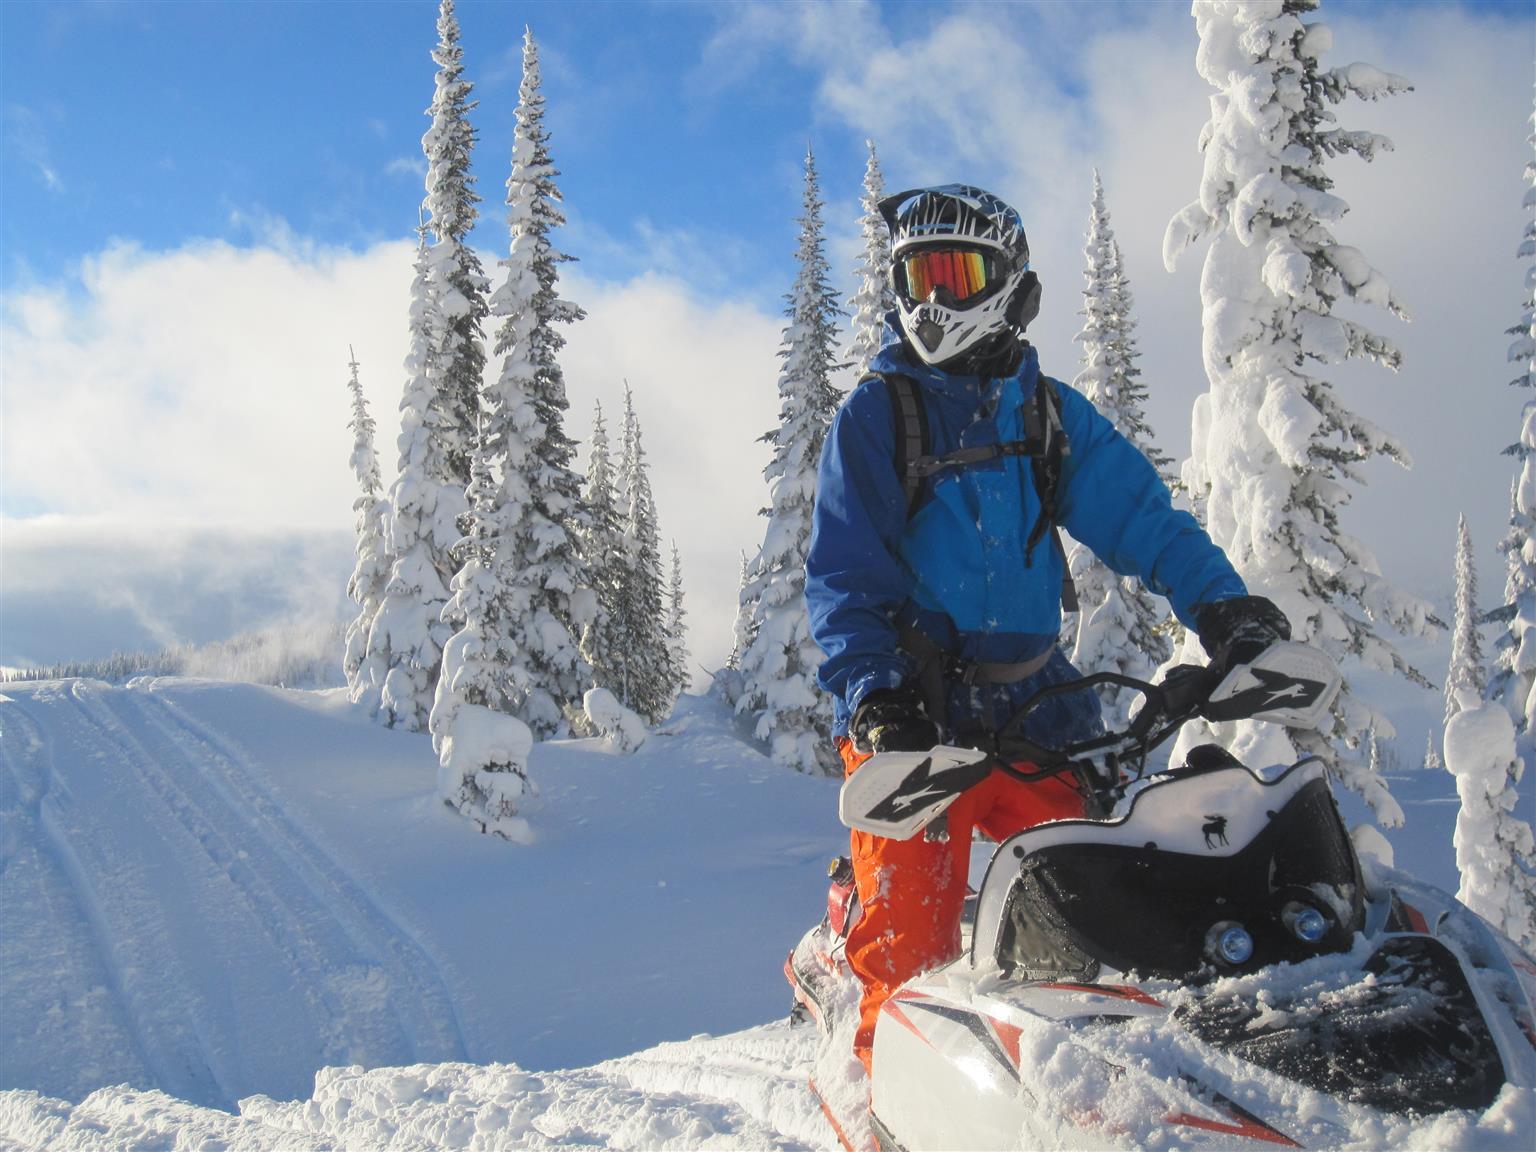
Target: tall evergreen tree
[[1274, 451], [451, 214], [538, 511], [1466, 681], [1514, 679], [677, 631], [1121, 626], [645, 680], [741, 631], [371, 572], [793, 715], [1432, 761], [482, 749], [875, 296], [406, 639], [602, 545]]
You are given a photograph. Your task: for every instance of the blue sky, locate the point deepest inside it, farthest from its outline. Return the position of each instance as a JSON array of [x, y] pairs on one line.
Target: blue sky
[[203, 205], [160, 121]]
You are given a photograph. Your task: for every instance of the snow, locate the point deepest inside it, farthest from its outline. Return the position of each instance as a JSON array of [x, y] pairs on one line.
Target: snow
[[241, 917], [622, 729], [216, 890]]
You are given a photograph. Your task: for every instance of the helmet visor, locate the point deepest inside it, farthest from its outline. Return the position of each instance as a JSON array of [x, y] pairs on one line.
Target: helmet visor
[[953, 276]]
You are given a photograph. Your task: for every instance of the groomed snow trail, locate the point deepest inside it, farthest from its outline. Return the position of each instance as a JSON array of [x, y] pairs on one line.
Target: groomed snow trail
[[201, 902]]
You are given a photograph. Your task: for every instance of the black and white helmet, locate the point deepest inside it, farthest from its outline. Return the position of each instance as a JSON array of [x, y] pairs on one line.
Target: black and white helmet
[[959, 268]]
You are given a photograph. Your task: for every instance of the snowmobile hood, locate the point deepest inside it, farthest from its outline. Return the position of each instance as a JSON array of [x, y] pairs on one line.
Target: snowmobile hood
[[1196, 854]]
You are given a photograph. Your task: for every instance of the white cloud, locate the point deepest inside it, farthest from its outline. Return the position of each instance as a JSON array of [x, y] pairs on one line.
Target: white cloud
[[26, 133], [206, 387]]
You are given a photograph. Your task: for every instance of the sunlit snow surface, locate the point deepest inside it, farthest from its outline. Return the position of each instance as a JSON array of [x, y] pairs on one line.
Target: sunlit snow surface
[[238, 898]]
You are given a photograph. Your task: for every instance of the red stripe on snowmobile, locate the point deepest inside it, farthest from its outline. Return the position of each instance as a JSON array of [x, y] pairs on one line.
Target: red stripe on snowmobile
[[1008, 1034], [1416, 919], [896, 1014], [1247, 1124], [1113, 991], [842, 1137]]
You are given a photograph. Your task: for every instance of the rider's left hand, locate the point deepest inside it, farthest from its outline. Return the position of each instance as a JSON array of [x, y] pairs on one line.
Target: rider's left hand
[[1238, 630]]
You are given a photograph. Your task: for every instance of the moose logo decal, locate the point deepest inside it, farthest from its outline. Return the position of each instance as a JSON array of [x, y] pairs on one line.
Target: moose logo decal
[[1215, 829]]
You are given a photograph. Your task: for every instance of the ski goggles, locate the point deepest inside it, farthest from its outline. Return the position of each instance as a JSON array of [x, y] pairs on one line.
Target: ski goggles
[[958, 275]]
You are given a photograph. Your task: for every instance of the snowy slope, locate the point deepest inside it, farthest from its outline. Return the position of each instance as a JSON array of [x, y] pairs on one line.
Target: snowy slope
[[746, 1091], [220, 896], [218, 889]]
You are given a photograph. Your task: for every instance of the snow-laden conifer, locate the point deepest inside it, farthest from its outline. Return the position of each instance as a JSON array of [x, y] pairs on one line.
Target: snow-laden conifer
[[541, 591], [460, 283], [1495, 852], [875, 296], [1121, 627], [1432, 761], [1514, 679], [370, 574], [1467, 678], [1274, 451], [677, 630], [602, 547], [645, 680], [482, 750], [406, 639], [792, 714]]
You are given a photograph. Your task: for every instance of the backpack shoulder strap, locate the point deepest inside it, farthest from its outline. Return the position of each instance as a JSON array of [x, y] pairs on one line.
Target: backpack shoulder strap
[[1048, 444], [911, 426]]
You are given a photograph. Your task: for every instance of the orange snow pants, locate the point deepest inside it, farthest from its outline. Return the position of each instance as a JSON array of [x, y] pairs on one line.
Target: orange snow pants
[[913, 891]]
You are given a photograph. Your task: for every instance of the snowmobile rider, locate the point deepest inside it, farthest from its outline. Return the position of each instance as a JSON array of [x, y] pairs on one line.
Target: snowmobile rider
[[934, 577]]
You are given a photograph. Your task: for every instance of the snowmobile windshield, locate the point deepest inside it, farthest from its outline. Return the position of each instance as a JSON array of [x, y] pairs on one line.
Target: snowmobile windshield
[[1198, 881]]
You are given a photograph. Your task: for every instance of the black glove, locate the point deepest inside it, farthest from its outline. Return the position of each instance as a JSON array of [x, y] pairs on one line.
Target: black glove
[[893, 720], [1236, 631]]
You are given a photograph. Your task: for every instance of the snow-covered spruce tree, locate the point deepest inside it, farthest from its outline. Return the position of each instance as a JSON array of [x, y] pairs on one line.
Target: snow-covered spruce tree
[[371, 572], [461, 284], [482, 751], [406, 639], [1121, 626], [1274, 451], [1514, 678], [874, 297], [645, 681], [778, 666], [1466, 680], [677, 631], [602, 546], [1495, 851], [541, 588], [1432, 761]]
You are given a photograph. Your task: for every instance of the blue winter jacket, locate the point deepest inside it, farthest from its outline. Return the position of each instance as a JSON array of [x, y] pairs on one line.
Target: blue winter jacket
[[959, 568]]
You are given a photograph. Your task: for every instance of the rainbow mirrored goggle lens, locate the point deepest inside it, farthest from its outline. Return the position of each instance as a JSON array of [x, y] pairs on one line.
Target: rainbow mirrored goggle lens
[[960, 273]]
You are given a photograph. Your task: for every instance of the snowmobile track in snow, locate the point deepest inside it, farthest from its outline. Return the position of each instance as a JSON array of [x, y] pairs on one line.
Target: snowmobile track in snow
[[346, 973]]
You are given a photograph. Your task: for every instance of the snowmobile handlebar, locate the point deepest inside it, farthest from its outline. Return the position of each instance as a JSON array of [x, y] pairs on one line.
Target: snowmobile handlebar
[[1290, 683]]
